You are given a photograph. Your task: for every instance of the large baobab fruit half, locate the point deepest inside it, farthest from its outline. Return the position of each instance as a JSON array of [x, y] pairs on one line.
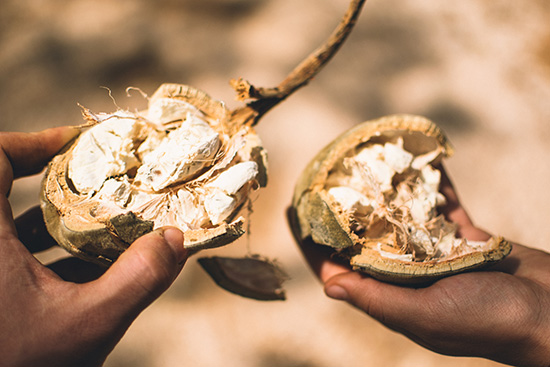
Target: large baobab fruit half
[[179, 163], [373, 195]]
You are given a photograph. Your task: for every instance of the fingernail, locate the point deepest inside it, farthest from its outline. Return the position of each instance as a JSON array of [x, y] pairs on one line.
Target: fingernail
[[336, 292], [174, 237], [70, 132]]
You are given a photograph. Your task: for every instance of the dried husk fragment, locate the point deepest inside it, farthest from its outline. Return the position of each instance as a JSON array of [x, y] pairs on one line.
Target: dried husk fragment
[[251, 277], [372, 195], [82, 208]]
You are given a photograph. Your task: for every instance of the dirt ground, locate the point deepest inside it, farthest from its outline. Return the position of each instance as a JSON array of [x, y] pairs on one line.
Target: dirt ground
[[480, 68]]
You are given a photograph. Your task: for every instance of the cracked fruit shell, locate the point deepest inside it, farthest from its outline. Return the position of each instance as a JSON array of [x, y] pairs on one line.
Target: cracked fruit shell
[[183, 162], [373, 195]]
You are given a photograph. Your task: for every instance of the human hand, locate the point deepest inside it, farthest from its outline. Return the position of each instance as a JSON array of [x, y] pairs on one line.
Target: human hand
[[502, 313], [71, 313]]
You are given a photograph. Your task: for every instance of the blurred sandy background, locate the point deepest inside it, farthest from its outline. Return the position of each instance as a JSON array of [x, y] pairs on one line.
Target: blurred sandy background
[[480, 68]]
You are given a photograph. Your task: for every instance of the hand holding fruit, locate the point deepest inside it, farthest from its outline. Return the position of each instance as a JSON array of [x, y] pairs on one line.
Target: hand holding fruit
[[502, 313], [46, 320]]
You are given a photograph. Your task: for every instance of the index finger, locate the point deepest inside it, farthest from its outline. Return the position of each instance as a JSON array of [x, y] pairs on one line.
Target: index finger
[[456, 213], [24, 154]]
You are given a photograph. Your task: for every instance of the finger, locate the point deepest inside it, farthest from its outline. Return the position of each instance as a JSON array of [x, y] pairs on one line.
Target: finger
[[406, 310], [145, 270], [455, 212], [510, 264], [320, 258], [32, 231], [27, 153], [323, 260], [526, 262], [76, 270], [387, 303], [393, 306], [447, 187]]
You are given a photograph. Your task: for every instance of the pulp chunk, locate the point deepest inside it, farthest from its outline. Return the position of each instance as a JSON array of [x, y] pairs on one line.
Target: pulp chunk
[[115, 191], [222, 199], [166, 110], [180, 156], [378, 163], [104, 151], [351, 200], [372, 165], [396, 157], [232, 179], [219, 206]]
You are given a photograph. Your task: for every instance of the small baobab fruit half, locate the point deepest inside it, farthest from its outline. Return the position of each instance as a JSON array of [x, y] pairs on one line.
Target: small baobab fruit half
[[373, 195]]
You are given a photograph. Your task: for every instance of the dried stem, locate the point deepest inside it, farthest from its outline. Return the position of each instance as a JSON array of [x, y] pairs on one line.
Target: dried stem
[[266, 98]]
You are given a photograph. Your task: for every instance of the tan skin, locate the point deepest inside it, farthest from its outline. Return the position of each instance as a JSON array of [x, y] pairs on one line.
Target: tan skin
[[70, 313], [502, 314]]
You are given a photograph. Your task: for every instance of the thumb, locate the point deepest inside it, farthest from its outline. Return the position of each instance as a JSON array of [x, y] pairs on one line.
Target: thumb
[[143, 272], [383, 301]]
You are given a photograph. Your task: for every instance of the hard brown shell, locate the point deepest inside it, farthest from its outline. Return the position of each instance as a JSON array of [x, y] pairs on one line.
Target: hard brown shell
[[318, 218], [74, 228]]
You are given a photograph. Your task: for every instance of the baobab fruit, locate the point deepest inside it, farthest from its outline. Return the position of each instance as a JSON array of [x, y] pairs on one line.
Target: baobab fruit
[[373, 195], [178, 163]]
